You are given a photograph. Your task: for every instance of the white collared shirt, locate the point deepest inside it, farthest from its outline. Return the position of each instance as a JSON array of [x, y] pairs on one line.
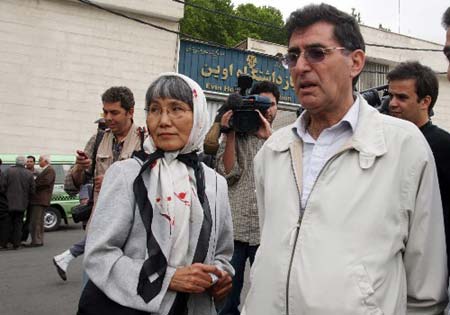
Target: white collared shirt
[[317, 152]]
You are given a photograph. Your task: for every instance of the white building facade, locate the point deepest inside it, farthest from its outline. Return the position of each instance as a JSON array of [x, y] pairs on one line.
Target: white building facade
[[58, 56]]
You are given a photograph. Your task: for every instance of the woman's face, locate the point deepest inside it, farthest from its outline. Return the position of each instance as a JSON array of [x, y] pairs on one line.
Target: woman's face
[[169, 122]]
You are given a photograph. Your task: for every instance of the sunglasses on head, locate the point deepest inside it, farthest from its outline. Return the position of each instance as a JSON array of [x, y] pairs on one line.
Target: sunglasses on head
[[311, 54]]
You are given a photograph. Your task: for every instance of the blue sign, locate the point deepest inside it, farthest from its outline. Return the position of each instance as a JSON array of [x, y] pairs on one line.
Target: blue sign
[[217, 69]]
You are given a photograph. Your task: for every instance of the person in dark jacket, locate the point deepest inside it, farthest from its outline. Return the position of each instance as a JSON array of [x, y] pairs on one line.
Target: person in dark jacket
[[414, 89], [4, 216], [19, 185]]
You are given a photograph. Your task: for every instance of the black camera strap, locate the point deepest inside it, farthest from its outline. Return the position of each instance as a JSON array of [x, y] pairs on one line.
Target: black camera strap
[[90, 175]]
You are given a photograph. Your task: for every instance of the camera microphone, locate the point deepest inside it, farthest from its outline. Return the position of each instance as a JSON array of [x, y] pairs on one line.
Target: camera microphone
[[234, 100]]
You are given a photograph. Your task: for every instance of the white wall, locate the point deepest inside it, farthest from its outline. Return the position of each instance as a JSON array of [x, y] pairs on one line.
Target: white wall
[[57, 57], [434, 59]]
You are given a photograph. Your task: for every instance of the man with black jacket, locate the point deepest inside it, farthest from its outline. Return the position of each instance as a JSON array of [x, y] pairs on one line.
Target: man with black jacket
[[413, 89], [19, 186]]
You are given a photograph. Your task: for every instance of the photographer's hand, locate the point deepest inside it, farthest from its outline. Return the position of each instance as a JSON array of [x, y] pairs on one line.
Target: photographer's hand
[[265, 130], [230, 142], [225, 120]]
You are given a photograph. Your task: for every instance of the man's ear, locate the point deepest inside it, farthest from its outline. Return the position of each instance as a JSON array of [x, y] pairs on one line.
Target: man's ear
[[358, 60], [131, 111], [425, 102]]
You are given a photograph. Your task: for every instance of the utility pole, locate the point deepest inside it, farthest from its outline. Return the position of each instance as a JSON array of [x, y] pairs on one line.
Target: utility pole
[[399, 16]]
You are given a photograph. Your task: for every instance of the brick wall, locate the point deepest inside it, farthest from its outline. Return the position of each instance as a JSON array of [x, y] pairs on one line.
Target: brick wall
[[58, 57]]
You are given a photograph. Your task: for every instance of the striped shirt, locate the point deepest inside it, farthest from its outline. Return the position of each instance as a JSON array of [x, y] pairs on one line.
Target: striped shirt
[[241, 188]]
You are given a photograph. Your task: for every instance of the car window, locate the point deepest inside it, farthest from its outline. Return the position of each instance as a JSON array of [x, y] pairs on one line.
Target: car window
[[59, 170]]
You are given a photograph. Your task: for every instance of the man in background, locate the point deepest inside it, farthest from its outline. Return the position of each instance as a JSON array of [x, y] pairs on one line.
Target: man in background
[[4, 216], [40, 200], [31, 161], [19, 186], [413, 91], [235, 163], [118, 142]]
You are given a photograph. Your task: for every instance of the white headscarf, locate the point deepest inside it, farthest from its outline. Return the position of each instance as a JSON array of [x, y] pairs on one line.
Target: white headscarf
[[172, 187]]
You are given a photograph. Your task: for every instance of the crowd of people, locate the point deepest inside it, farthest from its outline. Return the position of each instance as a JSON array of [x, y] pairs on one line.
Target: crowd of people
[[25, 191], [345, 211]]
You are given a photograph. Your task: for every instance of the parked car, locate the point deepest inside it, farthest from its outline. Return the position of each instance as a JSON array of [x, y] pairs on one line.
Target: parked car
[[61, 203]]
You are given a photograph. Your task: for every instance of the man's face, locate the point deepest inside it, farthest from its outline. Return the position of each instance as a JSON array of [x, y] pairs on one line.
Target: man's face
[[117, 118], [30, 164], [272, 111], [323, 86], [42, 162], [405, 103], [447, 52]]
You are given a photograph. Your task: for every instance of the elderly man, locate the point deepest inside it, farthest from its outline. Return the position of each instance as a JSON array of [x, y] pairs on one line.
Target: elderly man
[[18, 183], [40, 200], [350, 211]]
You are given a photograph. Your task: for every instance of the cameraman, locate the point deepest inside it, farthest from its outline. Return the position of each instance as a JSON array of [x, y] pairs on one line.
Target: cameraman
[[235, 163]]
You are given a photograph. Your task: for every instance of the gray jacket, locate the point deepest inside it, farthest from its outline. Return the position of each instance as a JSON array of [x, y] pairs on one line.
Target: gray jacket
[[19, 185], [116, 242]]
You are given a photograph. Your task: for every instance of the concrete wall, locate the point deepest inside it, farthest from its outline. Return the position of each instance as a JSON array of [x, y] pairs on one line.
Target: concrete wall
[[58, 56]]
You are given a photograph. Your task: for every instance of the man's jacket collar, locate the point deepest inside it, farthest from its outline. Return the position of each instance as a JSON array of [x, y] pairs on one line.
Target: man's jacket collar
[[368, 138]]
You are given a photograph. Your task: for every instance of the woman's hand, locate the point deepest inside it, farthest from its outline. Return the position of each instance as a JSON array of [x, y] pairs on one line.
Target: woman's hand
[[222, 287], [194, 278]]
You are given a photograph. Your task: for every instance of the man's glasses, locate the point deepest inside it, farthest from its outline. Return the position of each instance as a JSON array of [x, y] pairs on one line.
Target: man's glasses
[[447, 53], [311, 54]]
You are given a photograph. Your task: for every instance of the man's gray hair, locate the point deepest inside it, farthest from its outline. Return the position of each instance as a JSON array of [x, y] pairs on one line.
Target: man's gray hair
[[21, 160], [46, 157]]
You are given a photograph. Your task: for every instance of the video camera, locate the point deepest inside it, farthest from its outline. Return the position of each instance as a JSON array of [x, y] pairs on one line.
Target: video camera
[[372, 96], [245, 118]]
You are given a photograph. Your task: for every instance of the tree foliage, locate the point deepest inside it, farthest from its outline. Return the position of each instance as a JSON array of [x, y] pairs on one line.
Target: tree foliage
[[356, 15], [223, 29]]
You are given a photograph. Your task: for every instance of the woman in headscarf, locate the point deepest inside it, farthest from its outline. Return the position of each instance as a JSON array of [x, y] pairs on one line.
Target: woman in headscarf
[[160, 240]]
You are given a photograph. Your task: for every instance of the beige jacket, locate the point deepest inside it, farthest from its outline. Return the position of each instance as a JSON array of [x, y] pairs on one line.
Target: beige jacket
[[104, 157], [371, 237]]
